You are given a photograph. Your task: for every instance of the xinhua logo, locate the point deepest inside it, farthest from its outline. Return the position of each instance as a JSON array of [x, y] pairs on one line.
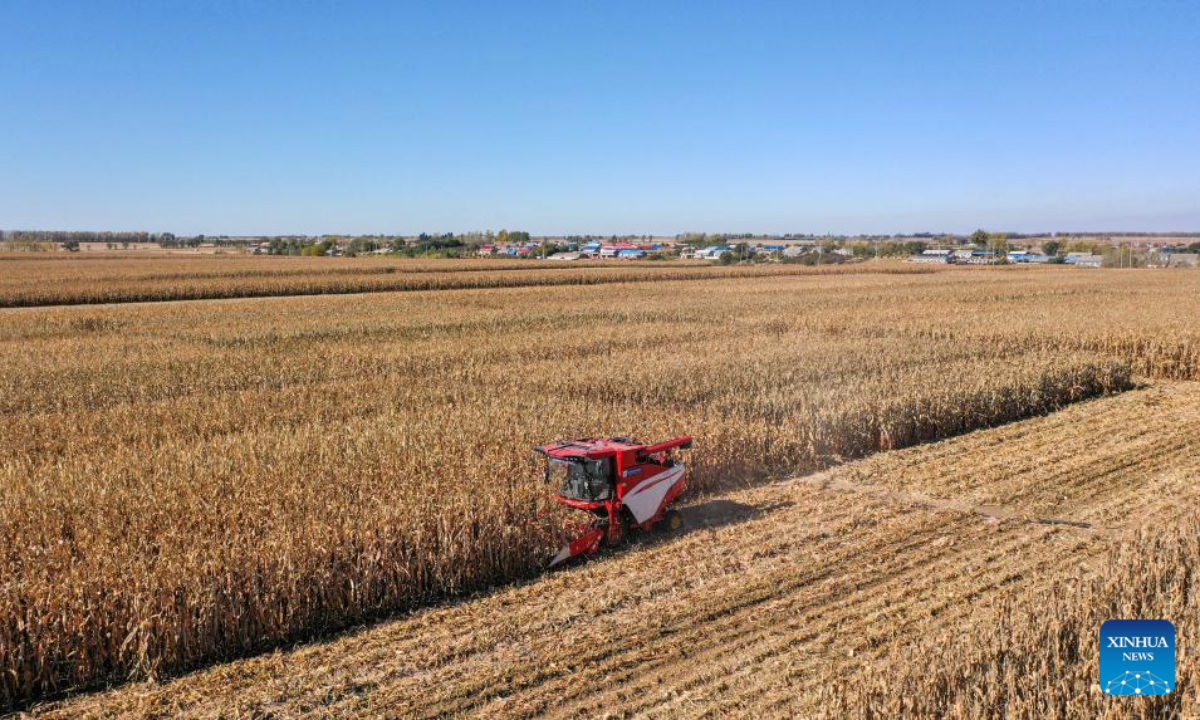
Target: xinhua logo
[[1137, 657]]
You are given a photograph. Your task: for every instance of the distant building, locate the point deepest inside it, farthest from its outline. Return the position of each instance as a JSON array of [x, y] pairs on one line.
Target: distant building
[[1179, 259], [1080, 259], [712, 253], [980, 257], [1025, 256], [943, 257]]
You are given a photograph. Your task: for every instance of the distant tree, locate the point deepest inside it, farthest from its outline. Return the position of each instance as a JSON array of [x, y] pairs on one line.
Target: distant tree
[[1087, 247], [71, 246], [62, 236], [1052, 247], [998, 243], [318, 249], [361, 245], [980, 237]]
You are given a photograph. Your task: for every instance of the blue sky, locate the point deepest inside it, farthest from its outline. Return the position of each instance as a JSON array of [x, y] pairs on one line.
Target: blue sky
[[599, 116]]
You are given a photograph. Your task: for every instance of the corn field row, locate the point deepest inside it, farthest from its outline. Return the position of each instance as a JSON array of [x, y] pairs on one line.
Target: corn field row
[[84, 282]]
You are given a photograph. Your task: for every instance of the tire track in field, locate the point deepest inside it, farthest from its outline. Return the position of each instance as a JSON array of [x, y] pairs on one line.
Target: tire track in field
[[993, 512]]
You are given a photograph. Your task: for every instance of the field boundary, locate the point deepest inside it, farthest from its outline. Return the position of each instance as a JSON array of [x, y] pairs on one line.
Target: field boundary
[[429, 281]]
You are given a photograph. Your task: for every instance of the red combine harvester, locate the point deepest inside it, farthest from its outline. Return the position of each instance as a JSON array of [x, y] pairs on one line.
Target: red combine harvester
[[624, 483]]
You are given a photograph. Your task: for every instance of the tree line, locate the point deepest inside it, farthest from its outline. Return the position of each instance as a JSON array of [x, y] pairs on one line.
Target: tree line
[[424, 245], [81, 236]]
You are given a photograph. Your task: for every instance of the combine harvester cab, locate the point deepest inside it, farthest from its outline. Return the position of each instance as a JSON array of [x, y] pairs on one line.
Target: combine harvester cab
[[620, 481]]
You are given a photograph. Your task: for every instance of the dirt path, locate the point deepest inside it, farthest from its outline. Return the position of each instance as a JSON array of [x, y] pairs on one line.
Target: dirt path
[[768, 593]]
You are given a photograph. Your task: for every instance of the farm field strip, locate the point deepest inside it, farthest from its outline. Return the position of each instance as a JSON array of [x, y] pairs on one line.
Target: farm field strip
[[187, 482], [33, 285], [771, 594], [23, 277], [1001, 478]]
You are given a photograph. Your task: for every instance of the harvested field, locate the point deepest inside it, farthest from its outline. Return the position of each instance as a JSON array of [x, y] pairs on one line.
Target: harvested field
[[1033, 655], [789, 598], [188, 482]]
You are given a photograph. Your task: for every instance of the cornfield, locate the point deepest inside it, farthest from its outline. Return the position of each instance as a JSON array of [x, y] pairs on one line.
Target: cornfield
[[186, 482], [772, 596]]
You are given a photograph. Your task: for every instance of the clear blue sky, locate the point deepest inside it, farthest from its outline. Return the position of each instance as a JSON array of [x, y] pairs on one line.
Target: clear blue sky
[[572, 116]]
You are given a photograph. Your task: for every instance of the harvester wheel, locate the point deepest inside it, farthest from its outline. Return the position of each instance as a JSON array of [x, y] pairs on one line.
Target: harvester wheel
[[674, 520]]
